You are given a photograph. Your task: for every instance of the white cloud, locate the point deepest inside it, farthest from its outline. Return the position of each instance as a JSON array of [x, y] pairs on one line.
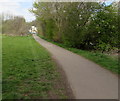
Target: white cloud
[[17, 0], [16, 7]]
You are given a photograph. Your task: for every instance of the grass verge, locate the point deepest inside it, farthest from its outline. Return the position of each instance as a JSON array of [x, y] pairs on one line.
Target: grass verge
[[102, 59], [28, 71]]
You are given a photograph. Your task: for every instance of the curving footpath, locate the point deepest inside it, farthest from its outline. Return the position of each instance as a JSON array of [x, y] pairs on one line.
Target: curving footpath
[[87, 79]]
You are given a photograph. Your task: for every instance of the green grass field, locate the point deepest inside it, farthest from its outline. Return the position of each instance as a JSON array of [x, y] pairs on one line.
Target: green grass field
[[28, 71], [106, 61]]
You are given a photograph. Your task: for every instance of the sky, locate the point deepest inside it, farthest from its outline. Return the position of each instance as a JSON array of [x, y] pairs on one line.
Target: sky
[[21, 7], [18, 7]]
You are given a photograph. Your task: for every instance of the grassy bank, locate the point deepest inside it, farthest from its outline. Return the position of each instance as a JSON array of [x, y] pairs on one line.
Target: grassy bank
[[28, 71], [103, 60]]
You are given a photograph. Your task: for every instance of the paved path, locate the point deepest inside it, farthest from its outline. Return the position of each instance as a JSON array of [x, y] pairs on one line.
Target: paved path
[[87, 79]]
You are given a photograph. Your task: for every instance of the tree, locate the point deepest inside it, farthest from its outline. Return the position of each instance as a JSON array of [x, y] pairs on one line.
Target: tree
[[15, 25], [84, 25]]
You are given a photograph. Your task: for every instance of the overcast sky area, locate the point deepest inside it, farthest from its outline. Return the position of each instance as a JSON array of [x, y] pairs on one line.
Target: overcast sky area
[[18, 7], [21, 7]]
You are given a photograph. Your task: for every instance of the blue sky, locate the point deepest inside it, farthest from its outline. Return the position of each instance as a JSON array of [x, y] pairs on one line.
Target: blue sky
[[17, 7], [21, 7], [109, 2]]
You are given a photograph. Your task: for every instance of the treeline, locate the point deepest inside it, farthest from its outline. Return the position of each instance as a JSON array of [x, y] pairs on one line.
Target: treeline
[[84, 25], [14, 25]]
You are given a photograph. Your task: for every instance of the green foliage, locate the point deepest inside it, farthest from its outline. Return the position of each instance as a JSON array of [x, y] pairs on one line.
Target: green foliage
[[84, 25], [103, 28], [15, 26], [50, 26]]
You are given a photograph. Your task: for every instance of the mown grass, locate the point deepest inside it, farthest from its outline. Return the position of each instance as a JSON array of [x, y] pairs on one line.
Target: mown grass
[[28, 71], [0, 66], [104, 60]]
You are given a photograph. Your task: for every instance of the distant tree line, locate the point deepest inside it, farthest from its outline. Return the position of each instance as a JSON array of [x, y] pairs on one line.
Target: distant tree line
[[14, 25], [84, 25]]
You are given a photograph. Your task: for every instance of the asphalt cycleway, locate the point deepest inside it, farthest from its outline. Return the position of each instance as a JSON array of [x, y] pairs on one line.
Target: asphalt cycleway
[[87, 79]]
